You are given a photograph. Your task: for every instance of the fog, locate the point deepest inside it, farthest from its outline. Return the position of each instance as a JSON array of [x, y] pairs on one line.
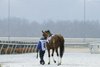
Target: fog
[[44, 10], [71, 18]]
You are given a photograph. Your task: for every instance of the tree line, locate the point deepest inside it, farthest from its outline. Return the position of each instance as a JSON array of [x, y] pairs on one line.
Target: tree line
[[17, 27]]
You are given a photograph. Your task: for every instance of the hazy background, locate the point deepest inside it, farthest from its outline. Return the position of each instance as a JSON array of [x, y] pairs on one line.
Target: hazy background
[[29, 17]]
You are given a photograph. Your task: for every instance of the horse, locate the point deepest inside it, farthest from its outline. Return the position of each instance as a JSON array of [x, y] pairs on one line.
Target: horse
[[56, 41]]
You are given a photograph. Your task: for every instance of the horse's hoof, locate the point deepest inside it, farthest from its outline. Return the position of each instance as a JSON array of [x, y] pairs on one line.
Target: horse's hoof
[[54, 61], [59, 64], [48, 63]]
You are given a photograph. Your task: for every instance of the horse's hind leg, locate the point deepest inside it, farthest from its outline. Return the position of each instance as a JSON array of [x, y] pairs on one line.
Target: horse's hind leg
[[49, 56], [53, 56], [59, 63]]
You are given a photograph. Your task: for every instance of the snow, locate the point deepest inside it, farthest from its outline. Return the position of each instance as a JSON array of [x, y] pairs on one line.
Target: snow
[[69, 60]]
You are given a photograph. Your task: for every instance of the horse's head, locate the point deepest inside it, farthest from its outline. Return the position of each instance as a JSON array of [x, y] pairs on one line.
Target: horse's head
[[44, 34], [48, 32]]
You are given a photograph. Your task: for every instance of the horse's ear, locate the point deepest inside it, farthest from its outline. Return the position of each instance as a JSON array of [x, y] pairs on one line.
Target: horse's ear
[[42, 31]]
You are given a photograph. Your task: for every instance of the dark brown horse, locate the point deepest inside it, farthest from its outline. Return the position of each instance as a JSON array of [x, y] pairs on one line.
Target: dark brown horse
[[56, 41]]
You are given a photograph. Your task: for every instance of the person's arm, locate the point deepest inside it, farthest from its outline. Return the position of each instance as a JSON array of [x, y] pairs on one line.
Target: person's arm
[[39, 46]]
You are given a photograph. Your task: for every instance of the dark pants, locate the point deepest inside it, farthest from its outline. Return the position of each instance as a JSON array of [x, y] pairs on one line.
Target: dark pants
[[41, 54]]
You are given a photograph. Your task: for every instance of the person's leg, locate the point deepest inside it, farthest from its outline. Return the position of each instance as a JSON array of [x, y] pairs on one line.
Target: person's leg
[[42, 57], [40, 54]]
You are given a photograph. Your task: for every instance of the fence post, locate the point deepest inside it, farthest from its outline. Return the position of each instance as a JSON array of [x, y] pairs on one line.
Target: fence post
[[23, 49], [1, 48], [15, 48], [11, 49], [7, 49]]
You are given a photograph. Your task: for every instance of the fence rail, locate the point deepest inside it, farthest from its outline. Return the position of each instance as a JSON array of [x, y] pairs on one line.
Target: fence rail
[[28, 45], [17, 47]]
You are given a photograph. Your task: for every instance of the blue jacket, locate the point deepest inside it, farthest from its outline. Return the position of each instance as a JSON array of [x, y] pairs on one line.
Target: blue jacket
[[41, 45]]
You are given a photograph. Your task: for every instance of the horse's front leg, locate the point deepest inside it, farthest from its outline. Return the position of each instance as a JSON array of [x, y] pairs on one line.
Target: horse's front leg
[[53, 56], [49, 56]]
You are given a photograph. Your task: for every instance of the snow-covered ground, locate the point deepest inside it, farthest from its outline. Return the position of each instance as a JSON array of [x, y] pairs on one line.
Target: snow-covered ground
[[75, 59]]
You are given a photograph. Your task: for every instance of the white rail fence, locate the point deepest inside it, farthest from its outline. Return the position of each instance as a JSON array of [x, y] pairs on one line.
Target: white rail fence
[[28, 44], [13, 47]]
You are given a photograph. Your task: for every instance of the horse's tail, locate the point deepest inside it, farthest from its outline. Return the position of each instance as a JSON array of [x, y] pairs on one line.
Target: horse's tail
[[62, 47]]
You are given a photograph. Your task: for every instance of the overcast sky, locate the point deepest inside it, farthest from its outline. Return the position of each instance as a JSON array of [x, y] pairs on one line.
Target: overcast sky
[[43, 10]]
